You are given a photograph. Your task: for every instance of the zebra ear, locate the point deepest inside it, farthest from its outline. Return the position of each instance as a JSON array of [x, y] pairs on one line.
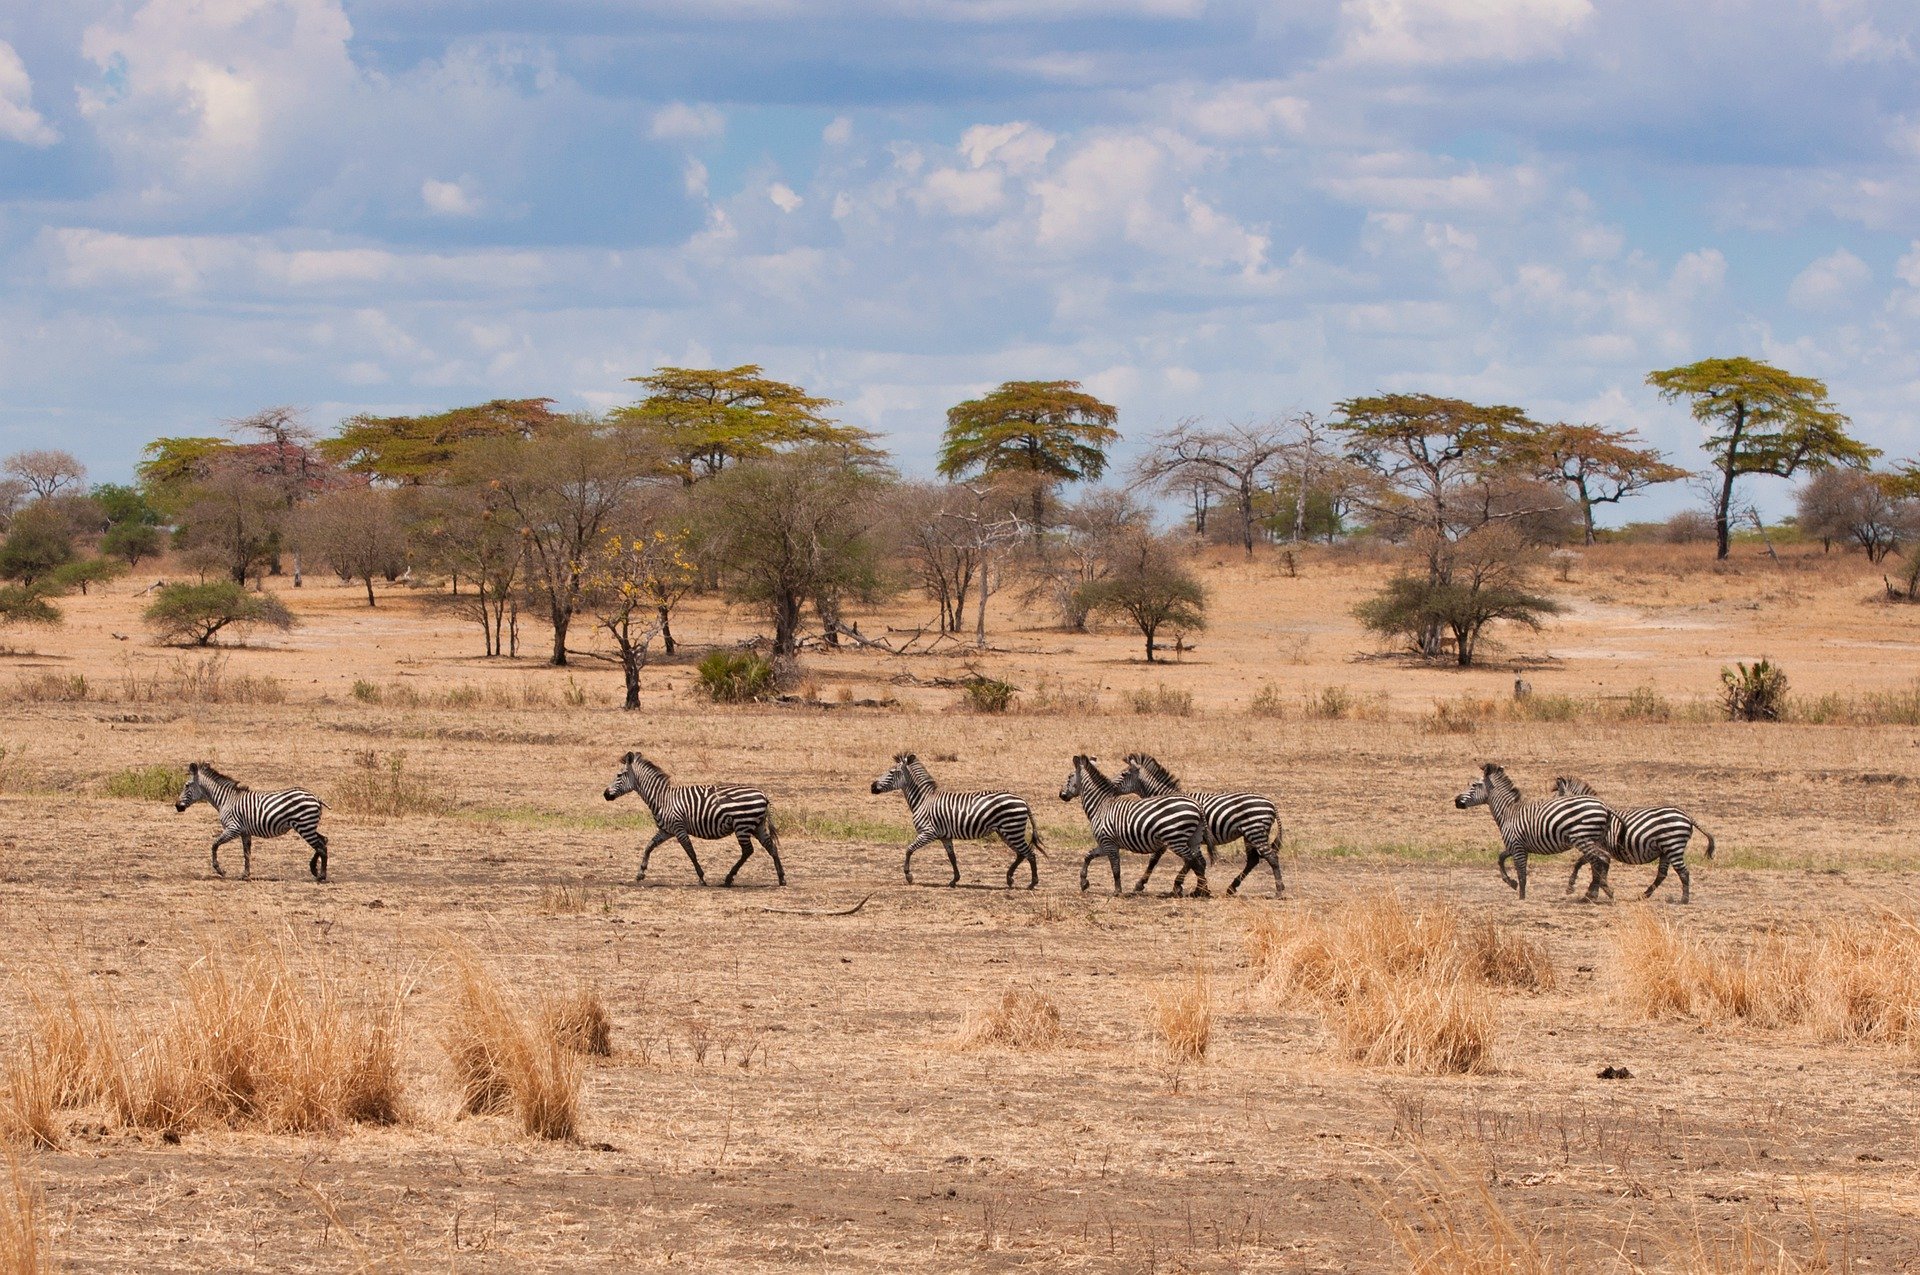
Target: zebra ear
[[628, 759], [193, 768], [905, 757]]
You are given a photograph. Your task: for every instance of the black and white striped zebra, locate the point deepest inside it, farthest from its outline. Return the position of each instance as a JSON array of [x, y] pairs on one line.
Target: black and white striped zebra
[[1552, 826], [1640, 834], [246, 814], [964, 816], [1143, 825], [1230, 816], [707, 811]]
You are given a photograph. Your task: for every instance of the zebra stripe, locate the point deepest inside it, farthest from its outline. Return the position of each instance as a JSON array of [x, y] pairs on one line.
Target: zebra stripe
[[1640, 834], [1230, 816], [245, 814], [1143, 825], [709, 812], [947, 817], [1552, 826]]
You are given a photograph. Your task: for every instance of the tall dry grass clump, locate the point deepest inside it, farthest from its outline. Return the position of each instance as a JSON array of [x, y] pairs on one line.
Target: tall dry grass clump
[[24, 1246], [1453, 1225], [1843, 979], [1019, 1018], [502, 1060], [29, 1100], [1182, 1016], [579, 1021], [1400, 986]]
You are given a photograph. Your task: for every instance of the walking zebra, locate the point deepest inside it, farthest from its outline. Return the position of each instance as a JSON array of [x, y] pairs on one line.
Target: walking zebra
[[966, 816], [1230, 816], [1552, 826], [247, 814], [707, 811], [1144, 825], [1640, 834]]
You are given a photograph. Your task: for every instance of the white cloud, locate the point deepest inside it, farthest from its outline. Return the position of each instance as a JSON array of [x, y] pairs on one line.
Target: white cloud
[[682, 122], [1830, 281], [19, 122], [784, 197], [1703, 270], [1441, 31], [1241, 112], [1018, 147], [449, 199], [694, 177], [838, 132], [963, 192]]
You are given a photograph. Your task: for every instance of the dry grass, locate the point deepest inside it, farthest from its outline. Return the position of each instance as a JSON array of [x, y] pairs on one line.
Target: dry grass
[[1453, 1226], [24, 1246], [1843, 979], [1401, 986], [502, 1061], [579, 1021], [29, 1100], [1181, 1014], [1020, 1018], [387, 789]]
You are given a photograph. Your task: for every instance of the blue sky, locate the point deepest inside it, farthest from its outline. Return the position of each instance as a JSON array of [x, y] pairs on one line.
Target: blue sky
[[1227, 210]]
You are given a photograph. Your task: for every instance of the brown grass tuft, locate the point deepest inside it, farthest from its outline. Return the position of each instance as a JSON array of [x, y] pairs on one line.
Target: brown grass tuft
[[1400, 986], [579, 1021], [24, 1246], [1022, 1018], [1182, 1016], [1843, 979], [29, 1093], [501, 1062], [1456, 1227]]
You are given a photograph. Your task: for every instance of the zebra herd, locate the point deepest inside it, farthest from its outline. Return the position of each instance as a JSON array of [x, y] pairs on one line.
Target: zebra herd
[[1143, 811]]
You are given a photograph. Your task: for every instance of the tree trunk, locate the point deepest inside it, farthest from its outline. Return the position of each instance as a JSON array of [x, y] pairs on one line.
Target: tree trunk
[[786, 623], [299, 578], [559, 618], [369, 579], [980, 616], [1722, 523], [1246, 517], [630, 666], [1586, 507], [666, 630], [1149, 632]]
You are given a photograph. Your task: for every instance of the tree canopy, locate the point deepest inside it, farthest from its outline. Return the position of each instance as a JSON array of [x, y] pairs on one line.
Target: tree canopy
[[704, 419], [1759, 420], [1600, 466], [1048, 431], [411, 450]]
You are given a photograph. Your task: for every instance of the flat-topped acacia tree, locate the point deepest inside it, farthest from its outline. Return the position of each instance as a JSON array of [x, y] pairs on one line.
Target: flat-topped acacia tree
[[1047, 432], [702, 420], [1759, 420]]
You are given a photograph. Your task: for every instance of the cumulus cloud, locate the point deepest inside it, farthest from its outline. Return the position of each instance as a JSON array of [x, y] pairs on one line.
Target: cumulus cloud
[[1829, 281], [784, 197], [1438, 31], [838, 132], [449, 199], [1018, 147], [19, 122], [683, 122]]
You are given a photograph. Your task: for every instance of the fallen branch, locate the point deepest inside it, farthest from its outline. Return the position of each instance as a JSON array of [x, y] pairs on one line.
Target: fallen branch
[[808, 912]]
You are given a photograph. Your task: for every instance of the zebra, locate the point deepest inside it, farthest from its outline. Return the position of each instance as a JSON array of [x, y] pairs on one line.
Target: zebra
[[707, 811], [1552, 826], [247, 814], [1640, 834], [969, 816], [1231, 816], [1144, 825]]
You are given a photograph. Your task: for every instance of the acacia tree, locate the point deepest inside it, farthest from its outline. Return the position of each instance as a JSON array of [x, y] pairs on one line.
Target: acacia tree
[[1232, 459], [563, 490], [1600, 466], [1760, 420], [417, 450], [702, 420], [791, 528], [633, 580], [1150, 586], [1878, 512], [1044, 432]]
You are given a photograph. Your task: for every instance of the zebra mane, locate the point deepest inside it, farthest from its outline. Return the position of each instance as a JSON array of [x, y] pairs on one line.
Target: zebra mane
[[1496, 777], [1151, 764], [917, 771], [636, 760], [1572, 787], [1093, 772], [218, 777]]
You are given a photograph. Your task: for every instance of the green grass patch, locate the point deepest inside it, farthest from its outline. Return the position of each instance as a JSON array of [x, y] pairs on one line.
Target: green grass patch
[[145, 783]]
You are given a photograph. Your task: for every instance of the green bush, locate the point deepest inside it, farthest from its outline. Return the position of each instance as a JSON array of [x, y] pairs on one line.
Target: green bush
[[146, 783], [1162, 701], [1754, 694], [192, 614], [989, 695], [736, 677], [367, 692]]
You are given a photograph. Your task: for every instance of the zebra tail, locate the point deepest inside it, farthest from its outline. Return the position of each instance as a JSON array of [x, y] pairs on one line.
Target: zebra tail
[[1703, 832], [1033, 835]]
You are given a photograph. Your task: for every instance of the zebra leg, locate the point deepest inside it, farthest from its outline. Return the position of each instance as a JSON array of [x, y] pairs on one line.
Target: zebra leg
[[1659, 875], [953, 860], [771, 840], [1153, 861], [1600, 865], [1686, 881], [1505, 875], [1198, 862], [746, 852], [1520, 869], [925, 838], [646, 855], [686, 843], [219, 841], [246, 856], [1252, 847], [317, 865]]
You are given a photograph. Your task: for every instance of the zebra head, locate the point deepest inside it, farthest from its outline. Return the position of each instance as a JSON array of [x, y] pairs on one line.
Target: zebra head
[[194, 791], [895, 779], [1565, 787], [1493, 784], [1071, 789], [624, 780], [1086, 778], [1132, 779]]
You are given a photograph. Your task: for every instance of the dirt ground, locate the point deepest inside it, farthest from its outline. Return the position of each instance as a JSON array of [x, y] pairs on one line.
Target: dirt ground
[[786, 1089]]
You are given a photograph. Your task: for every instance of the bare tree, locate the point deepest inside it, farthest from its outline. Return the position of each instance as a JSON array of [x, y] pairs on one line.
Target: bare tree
[[285, 459], [358, 532], [230, 521], [469, 532], [1231, 459], [1872, 510], [1313, 465], [46, 473], [1091, 536], [13, 495]]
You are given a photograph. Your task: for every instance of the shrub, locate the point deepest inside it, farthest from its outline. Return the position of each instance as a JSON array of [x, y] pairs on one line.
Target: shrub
[[989, 695], [502, 1062], [1267, 702], [1689, 526], [1182, 1017], [1022, 1018], [366, 692], [735, 677], [1756, 693], [1645, 704], [183, 614], [388, 789], [1331, 704], [145, 783], [1162, 701], [51, 688]]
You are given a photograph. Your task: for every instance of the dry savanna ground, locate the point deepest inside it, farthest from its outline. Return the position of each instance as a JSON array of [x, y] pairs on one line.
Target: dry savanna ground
[[1394, 1067]]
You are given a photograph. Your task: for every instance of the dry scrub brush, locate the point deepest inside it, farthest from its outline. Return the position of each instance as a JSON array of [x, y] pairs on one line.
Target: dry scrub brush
[[506, 1060], [264, 1036], [24, 1246], [1182, 1016], [1844, 979], [1455, 1226], [1020, 1018], [1400, 986]]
